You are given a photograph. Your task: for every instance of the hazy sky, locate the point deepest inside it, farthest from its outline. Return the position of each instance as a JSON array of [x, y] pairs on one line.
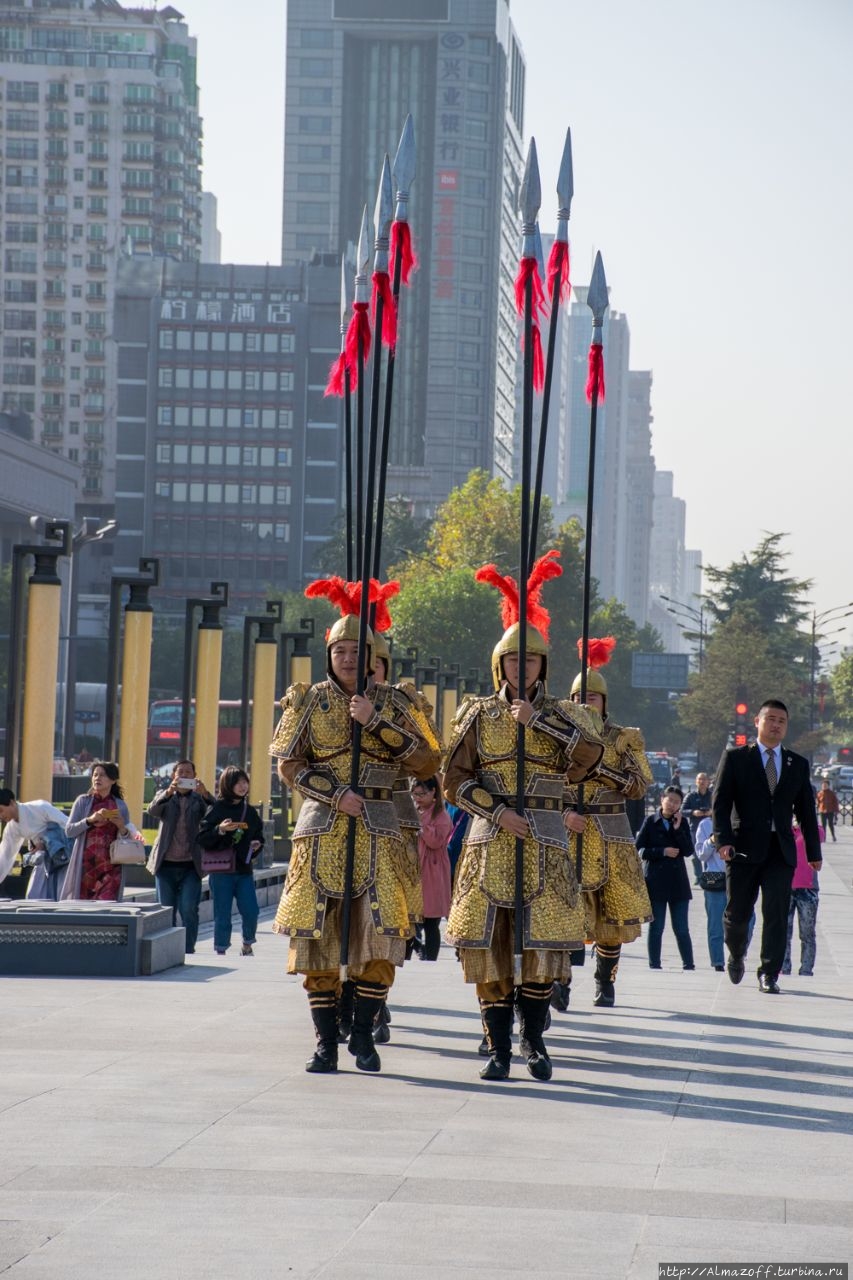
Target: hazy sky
[[712, 156]]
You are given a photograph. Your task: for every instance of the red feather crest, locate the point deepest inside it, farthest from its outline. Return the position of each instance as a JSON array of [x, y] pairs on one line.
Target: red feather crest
[[545, 568], [346, 597], [598, 651]]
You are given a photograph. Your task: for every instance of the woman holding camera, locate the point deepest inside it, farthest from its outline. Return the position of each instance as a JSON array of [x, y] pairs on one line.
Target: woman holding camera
[[175, 860], [232, 828]]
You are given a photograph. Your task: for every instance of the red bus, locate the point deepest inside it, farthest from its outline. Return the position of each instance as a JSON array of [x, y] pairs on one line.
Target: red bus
[[164, 732]]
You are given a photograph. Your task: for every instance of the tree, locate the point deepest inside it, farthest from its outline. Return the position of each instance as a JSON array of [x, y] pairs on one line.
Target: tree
[[740, 662], [479, 523], [446, 615], [777, 601], [842, 693], [403, 537]]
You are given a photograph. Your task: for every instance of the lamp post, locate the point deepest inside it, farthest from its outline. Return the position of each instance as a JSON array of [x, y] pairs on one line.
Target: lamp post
[[693, 615], [91, 530], [835, 614]]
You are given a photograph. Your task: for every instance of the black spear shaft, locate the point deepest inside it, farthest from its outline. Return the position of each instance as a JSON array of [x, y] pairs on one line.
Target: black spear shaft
[[348, 469], [523, 560], [359, 461], [543, 425], [386, 429]]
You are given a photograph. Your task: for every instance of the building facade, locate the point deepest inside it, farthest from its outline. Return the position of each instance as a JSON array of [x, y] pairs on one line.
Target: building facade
[[228, 458], [100, 137], [355, 68], [675, 570]]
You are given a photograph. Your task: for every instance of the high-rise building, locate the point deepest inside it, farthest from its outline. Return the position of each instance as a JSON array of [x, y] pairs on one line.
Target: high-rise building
[[355, 68], [675, 570], [100, 137], [228, 460], [211, 237], [639, 496]]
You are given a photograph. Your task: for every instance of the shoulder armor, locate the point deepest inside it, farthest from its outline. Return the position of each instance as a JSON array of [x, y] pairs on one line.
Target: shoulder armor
[[296, 706], [294, 697]]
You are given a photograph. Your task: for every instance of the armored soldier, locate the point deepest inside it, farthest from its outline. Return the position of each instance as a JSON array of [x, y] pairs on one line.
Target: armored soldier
[[313, 743], [611, 877], [480, 776]]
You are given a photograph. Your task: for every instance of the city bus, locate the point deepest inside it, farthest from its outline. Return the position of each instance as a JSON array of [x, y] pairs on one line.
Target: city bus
[[164, 733]]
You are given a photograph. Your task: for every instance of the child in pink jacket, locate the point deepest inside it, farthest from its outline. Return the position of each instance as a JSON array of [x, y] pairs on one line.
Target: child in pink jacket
[[805, 898]]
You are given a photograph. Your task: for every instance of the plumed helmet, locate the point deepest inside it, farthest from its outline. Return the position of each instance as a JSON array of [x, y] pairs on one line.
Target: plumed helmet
[[598, 655], [538, 618]]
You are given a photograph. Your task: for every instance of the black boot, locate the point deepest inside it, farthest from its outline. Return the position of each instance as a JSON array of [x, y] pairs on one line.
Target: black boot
[[346, 1001], [560, 996], [497, 1019], [369, 997], [533, 1004], [381, 1034], [606, 965], [324, 1015]]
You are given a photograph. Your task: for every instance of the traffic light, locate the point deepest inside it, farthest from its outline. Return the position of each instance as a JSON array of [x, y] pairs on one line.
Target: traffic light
[[741, 722]]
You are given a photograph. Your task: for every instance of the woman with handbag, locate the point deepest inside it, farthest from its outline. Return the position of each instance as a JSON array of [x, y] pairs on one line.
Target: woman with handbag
[[231, 836], [103, 835], [665, 843]]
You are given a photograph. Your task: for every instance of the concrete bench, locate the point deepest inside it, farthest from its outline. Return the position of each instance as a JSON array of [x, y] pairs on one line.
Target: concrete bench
[[88, 939]]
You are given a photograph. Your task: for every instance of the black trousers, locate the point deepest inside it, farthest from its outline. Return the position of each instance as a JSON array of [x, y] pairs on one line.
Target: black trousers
[[773, 876]]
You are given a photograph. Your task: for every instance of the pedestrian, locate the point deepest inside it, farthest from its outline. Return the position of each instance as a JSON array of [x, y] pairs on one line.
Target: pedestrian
[[758, 791], [697, 806], [712, 882], [232, 826], [460, 821], [664, 842], [805, 898], [175, 859], [827, 807], [29, 821], [313, 743], [433, 837], [97, 819], [481, 777], [616, 903]]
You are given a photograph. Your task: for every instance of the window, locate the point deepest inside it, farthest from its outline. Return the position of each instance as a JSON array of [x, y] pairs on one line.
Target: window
[[217, 340], [199, 416], [166, 377], [314, 211], [217, 379], [214, 493], [313, 153], [232, 455], [214, 455], [315, 124], [235, 340], [183, 339], [316, 38], [197, 455], [162, 489], [285, 381], [199, 379], [164, 415], [235, 379], [319, 68], [167, 339], [475, 130], [179, 492], [315, 96], [249, 493], [478, 72], [200, 338], [180, 453], [250, 456], [182, 378]]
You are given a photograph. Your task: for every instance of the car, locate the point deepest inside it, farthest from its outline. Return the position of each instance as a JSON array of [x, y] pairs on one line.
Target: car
[[843, 779]]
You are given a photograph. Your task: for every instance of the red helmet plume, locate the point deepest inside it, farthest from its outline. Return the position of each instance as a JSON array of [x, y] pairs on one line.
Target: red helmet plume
[[545, 568], [598, 651]]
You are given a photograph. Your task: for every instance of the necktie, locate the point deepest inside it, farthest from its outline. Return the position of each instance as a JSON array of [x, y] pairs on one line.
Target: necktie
[[770, 770]]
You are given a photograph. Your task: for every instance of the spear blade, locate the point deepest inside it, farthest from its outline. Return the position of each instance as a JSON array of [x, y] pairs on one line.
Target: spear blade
[[540, 256], [596, 298], [365, 242], [404, 167], [530, 194], [383, 216], [565, 188]]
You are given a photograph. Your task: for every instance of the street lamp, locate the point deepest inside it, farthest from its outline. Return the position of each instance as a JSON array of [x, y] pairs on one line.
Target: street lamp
[[694, 615], [829, 615], [91, 530]]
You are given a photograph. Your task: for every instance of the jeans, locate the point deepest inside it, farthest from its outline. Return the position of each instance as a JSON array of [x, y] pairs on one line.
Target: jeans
[[828, 820], [678, 917], [179, 887], [715, 905], [432, 938], [804, 904], [225, 887]]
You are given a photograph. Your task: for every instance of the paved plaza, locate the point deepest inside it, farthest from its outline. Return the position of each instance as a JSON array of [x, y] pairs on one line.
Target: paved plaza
[[164, 1127]]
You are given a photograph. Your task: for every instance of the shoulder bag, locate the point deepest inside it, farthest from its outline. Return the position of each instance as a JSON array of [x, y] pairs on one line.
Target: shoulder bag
[[214, 860], [713, 881], [127, 852]]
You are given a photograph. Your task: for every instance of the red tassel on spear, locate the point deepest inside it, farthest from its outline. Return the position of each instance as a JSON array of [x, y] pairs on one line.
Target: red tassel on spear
[[382, 289], [401, 246], [595, 373], [558, 271]]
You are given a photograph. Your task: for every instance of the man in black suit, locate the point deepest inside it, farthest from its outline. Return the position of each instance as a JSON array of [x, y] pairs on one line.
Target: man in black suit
[[758, 791]]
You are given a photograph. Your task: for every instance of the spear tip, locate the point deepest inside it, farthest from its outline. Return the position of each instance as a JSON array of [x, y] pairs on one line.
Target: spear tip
[[540, 256], [365, 243], [404, 160], [597, 299], [530, 195], [565, 179], [384, 211]]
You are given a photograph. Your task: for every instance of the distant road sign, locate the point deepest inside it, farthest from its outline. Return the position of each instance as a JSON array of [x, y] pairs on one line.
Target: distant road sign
[[660, 671], [87, 717]]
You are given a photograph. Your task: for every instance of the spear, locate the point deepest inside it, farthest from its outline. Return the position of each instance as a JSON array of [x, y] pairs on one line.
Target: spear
[[358, 347], [559, 289], [598, 302], [401, 246], [526, 292], [347, 415]]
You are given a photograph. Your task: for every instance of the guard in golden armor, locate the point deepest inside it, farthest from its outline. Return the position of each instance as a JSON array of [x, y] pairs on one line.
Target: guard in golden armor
[[614, 891], [480, 777], [313, 743]]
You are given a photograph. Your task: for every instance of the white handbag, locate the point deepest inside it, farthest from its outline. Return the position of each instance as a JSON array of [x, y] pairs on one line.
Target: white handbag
[[127, 852]]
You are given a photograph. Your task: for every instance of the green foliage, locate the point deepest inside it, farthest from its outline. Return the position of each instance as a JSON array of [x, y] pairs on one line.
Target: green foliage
[[446, 615], [842, 694], [740, 661], [403, 537], [479, 524], [776, 601]]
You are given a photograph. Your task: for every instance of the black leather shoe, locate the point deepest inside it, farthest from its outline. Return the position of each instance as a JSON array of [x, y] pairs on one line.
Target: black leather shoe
[[324, 1062], [495, 1069], [735, 969], [605, 995], [768, 984], [539, 1066]]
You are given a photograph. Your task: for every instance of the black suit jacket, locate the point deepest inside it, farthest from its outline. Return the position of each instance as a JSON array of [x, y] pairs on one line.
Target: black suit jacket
[[745, 811]]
